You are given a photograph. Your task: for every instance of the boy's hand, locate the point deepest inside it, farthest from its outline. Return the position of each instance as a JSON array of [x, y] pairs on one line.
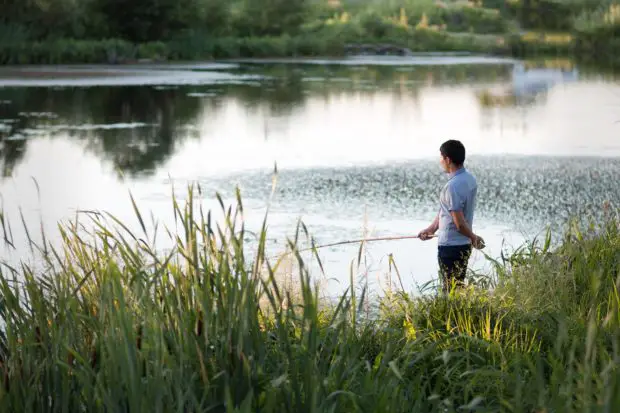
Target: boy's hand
[[478, 242], [425, 235]]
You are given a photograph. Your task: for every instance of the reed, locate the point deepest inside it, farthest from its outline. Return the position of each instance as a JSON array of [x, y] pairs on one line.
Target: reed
[[109, 323]]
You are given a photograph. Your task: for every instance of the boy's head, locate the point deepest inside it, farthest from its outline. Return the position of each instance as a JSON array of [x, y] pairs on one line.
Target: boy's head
[[452, 153]]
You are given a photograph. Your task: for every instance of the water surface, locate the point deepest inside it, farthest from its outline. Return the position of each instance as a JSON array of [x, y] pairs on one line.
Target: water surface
[[355, 142]]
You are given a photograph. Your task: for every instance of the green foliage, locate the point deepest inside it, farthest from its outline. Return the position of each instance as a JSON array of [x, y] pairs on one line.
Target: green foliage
[[47, 18], [326, 40], [63, 51], [268, 17], [199, 29], [570, 280], [215, 17], [551, 15], [79, 51], [11, 34], [462, 18], [146, 20], [598, 33], [111, 324], [541, 44]]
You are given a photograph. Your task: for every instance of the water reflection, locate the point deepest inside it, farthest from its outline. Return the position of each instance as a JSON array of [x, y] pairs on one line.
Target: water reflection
[[137, 128], [530, 82], [348, 140], [12, 153], [134, 128]]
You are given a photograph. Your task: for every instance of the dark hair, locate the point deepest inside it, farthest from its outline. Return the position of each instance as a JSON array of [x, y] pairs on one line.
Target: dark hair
[[454, 150]]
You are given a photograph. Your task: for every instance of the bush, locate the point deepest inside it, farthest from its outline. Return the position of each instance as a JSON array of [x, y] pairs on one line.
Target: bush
[[66, 51], [598, 34], [256, 18], [550, 15], [463, 18], [540, 44]]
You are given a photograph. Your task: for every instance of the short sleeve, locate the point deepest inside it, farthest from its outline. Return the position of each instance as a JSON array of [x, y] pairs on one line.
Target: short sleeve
[[453, 201]]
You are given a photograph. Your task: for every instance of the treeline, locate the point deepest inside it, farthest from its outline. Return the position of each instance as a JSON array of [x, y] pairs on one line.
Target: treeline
[[52, 31], [142, 21]]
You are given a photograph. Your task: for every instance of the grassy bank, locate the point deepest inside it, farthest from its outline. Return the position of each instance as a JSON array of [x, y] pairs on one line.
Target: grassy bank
[[111, 326], [332, 42], [67, 51]]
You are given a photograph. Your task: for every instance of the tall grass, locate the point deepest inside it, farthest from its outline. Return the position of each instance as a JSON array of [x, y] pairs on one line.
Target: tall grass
[[110, 324]]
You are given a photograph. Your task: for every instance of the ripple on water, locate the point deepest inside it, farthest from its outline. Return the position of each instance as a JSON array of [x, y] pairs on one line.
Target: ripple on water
[[202, 95], [34, 132], [107, 126], [45, 115], [66, 77], [525, 193]]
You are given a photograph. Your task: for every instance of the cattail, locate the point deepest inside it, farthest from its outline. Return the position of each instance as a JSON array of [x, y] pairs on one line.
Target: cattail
[[199, 324], [139, 338], [94, 357], [5, 379]]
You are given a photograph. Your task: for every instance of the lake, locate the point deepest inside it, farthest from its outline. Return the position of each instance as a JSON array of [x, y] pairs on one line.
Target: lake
[[355, 142]]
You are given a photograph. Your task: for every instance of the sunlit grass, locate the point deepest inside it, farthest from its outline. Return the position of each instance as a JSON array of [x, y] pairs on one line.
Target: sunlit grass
[[548, 38], [110, 324]]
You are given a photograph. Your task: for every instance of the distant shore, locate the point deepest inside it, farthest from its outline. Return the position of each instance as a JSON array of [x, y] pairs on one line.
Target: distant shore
[[420, 42]]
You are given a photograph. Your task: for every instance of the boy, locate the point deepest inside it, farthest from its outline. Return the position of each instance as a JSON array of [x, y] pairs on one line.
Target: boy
[[457, 202]]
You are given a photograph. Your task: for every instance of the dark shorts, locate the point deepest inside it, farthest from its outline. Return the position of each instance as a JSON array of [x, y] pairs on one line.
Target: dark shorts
[[453, 264]]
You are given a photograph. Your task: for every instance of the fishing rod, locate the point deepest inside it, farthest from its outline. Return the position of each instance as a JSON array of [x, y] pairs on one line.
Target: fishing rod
[[333, 244], [354, 241]]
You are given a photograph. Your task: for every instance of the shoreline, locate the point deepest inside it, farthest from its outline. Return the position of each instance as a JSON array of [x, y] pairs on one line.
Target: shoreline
[[416, 43]]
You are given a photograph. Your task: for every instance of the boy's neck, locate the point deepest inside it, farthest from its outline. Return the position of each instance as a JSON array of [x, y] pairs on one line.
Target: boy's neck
[[453, 168]]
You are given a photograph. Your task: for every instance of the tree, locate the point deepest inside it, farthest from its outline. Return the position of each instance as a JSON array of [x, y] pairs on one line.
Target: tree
[[215, 16], [38, 19], [269, 17], [148, 20]]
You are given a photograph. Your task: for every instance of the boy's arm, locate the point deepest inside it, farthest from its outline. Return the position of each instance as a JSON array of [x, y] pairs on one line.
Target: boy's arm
[[434, 225], [461, 226], [426, 233], [455, 203]]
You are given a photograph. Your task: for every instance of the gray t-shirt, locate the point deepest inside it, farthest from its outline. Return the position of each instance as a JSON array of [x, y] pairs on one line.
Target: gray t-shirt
[[458, 194]]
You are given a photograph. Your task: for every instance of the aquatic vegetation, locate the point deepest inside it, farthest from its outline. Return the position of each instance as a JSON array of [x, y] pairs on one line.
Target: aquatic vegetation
[[107, 323]]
